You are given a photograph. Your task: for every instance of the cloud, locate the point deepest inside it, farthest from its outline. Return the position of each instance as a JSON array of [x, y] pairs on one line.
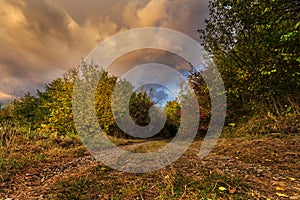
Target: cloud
[[139, 57], [151, 14], [38, 42], [5, 97], [185, 66], [40, 39]]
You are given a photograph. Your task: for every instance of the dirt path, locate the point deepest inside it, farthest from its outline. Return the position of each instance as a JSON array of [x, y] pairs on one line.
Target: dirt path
[[33, 183], [269, 166]]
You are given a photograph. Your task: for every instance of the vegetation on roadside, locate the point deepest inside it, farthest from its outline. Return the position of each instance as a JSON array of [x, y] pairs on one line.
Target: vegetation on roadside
[[255, 45]]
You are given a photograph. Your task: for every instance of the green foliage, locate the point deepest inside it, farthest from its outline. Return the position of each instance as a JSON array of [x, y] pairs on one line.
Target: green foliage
[[100, 102], [173, 111], [22, 112], [256, 48], [103, 100], [57, 107], [139, 106], [6, 113], [25, 109]]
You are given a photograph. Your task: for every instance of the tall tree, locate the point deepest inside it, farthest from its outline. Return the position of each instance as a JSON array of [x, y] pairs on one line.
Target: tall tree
[[26, 109], [255, 44]]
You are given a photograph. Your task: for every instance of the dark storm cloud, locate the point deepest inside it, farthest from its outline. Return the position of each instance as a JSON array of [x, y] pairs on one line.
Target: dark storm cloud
[[42, 16], [132, 59]]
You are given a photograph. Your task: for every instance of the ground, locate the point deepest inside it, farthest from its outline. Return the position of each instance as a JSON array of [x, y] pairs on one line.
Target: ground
[[265, 167]]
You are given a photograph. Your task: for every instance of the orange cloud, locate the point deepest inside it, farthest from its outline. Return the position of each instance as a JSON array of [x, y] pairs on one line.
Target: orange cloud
[[40, 39], [4, 98]]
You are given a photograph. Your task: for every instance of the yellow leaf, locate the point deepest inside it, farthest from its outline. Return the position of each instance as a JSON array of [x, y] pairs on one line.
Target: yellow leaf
[[222, 189], [281, 195], [279, 189], [292, 179], [232, 124]]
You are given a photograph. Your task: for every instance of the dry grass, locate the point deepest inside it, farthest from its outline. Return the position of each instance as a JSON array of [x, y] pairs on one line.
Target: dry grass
[[247, 167]]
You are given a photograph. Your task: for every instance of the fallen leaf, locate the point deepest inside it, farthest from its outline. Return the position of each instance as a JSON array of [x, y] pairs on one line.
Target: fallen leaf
[[281, 195], [222, 189], [280, 189], [232, 124], [292, 179], [232, 191]]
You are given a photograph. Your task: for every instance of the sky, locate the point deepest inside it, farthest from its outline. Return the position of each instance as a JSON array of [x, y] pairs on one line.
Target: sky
[[42, 39]]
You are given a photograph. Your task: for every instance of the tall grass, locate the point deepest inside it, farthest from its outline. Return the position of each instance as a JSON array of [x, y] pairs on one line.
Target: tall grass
[[9, 134]]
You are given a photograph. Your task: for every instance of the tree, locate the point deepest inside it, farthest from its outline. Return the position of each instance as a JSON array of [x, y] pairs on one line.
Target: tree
[[106, 85], [201, 89], [255, 45], [173, 111], [103, 97], [25, 110], [57, 107], [7, 113], [139, 106]]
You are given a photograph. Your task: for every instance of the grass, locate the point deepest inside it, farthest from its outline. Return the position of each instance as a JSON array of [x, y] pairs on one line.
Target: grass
[[187, 178], [158, 185], [163, 184], [259, 126], [23, 153], [20, 149], [150, 147]]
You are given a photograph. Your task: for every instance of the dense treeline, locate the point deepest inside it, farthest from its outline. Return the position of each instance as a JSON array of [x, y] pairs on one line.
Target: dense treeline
[[255, 45], [50, 112]]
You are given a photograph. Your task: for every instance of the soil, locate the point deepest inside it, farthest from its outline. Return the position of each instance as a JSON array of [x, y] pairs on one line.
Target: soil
[[269, 166]]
